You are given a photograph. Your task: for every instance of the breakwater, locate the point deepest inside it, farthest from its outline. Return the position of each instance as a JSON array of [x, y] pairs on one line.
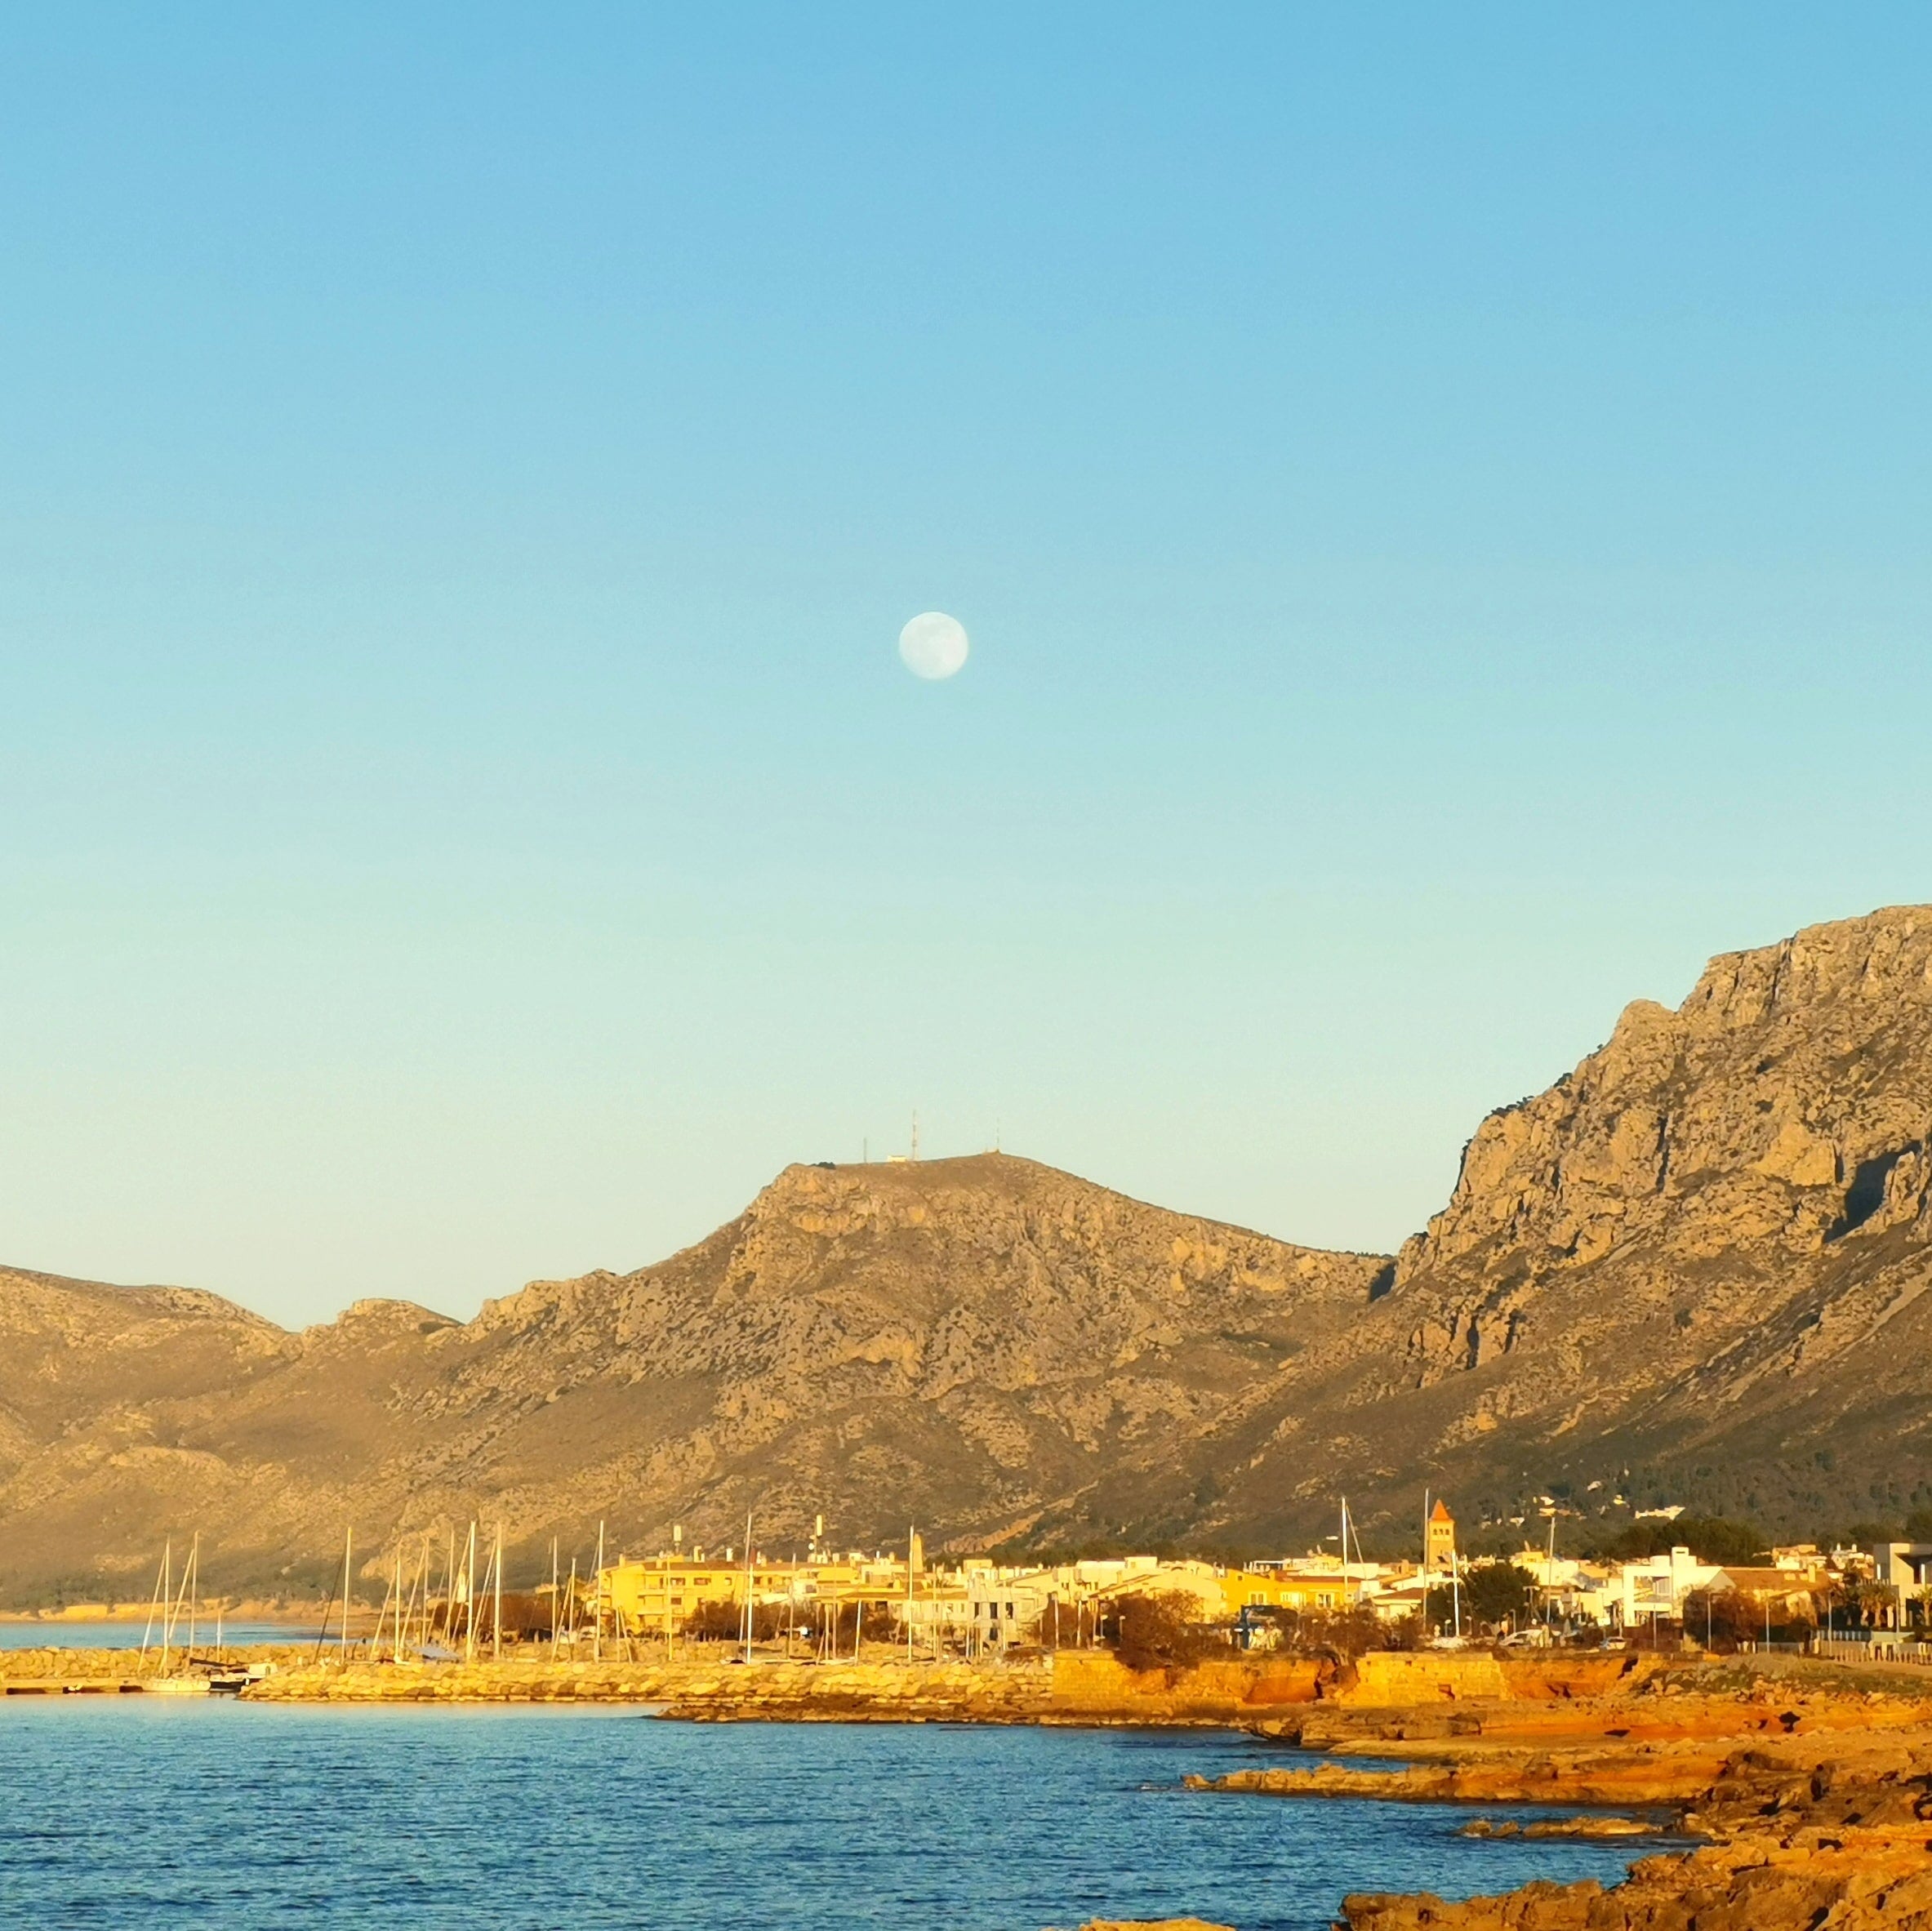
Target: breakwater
[[1073, 1686], [1311, 1700]]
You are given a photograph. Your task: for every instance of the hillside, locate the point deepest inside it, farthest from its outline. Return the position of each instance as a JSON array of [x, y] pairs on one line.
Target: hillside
[[1692, 1270], [959, 1341]]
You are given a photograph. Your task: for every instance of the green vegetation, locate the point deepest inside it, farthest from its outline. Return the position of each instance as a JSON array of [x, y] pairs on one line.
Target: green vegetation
[[1493, 1595], [1710, 1538], [1156, 1631]]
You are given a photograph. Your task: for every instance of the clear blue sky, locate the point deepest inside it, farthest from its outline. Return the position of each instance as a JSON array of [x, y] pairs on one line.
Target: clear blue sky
[[1440, 496]]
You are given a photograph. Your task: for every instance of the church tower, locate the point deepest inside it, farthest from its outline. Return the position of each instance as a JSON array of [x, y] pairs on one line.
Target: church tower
[[1441, 1546]]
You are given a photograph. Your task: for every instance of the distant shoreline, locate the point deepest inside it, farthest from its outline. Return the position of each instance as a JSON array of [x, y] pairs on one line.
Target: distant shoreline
[[294, 1615]]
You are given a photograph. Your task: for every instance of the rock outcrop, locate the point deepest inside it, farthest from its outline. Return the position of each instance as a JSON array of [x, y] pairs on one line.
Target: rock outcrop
[[1807, 1834], [1808, 1800]]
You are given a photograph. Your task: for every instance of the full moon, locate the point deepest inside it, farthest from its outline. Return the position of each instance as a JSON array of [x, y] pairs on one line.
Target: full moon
[[933, 644]]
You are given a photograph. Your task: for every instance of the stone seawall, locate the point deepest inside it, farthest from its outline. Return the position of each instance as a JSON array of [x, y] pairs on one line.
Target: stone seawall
[[1074, 1687], [1306, 1699]]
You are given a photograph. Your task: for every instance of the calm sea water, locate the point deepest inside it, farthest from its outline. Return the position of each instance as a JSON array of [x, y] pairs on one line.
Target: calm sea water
[[128, 1635], [216, 1816]]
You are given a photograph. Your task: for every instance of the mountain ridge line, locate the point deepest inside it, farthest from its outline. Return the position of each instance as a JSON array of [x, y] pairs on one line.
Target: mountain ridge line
[[1665, 1273]]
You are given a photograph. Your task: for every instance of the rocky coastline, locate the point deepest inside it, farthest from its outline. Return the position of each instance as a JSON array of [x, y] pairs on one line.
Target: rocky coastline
[[1807, 1800]]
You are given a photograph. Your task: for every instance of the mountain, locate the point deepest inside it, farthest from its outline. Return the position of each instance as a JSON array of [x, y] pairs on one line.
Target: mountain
[[1702, 1256], [1693, 1271], [960, 1343]]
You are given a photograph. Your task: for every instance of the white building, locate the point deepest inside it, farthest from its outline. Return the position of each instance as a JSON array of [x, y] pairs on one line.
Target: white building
[[1657, 1585]]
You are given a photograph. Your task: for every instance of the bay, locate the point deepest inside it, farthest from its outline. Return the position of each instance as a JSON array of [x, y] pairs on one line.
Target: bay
[[217, 1815]]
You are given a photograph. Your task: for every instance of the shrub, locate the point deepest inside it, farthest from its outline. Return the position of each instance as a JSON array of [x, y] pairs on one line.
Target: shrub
[[1156, 1631], [1342, 1633], [724, 1623]]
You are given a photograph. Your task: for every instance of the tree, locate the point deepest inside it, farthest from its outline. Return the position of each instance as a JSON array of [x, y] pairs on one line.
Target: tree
[[1157, 1630], [1492, 1593], [1861, 1602], [1341, 1633], [1721, 1618], [724, 1623], [1862, 1535], [1716, 1539]]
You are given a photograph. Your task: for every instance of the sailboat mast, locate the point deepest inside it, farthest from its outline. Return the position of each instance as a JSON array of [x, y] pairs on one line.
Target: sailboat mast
[[167, 1600], [159, 1597], [469, 1595], [347, 1545], [597, 1616], [1550, 1573], [1425, 1562], [751, 1585]]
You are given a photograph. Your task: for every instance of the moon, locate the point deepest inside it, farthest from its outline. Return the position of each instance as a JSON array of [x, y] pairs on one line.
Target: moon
[[934, 645]]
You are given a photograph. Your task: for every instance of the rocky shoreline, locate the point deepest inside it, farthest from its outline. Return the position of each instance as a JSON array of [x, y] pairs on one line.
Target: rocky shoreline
[[1810, 1801]]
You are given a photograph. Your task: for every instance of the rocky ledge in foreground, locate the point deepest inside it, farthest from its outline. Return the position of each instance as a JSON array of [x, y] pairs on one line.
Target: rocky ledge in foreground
[[1861, 1882], [1816, 1811]]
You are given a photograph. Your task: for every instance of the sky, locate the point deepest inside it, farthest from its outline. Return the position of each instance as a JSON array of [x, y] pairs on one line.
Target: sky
[[1440, 498]]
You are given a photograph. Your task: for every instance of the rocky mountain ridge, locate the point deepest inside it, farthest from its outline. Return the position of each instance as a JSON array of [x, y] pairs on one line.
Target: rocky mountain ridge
[[1694, 1268], [957, 1342]]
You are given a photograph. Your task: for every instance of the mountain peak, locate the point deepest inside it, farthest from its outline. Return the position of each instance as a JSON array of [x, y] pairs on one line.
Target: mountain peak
[[1887, 954]]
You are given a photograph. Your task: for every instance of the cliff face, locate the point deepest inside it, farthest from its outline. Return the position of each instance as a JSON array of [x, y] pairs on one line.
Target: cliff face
[[1695, 1268], [1700, 1258], [1783, 1108]]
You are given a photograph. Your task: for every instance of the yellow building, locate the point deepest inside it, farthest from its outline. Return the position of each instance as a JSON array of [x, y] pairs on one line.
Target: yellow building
[[648, 1595], [654, 1593], [1286, 1589]]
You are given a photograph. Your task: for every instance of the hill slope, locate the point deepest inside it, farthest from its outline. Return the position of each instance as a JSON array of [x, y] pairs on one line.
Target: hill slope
[[960, 1342], [1695, 1269]]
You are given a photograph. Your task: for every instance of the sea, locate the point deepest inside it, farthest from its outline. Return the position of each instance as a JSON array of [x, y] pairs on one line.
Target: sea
[[151, 1812], [129, 1636]]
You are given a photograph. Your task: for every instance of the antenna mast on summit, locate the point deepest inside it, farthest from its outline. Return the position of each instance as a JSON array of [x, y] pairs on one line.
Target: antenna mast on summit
[[916, 1133]]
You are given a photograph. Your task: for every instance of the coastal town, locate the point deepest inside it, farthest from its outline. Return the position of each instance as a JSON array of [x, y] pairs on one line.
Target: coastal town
[[827, 1604], [1614, 1700], [1792, 1594]]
